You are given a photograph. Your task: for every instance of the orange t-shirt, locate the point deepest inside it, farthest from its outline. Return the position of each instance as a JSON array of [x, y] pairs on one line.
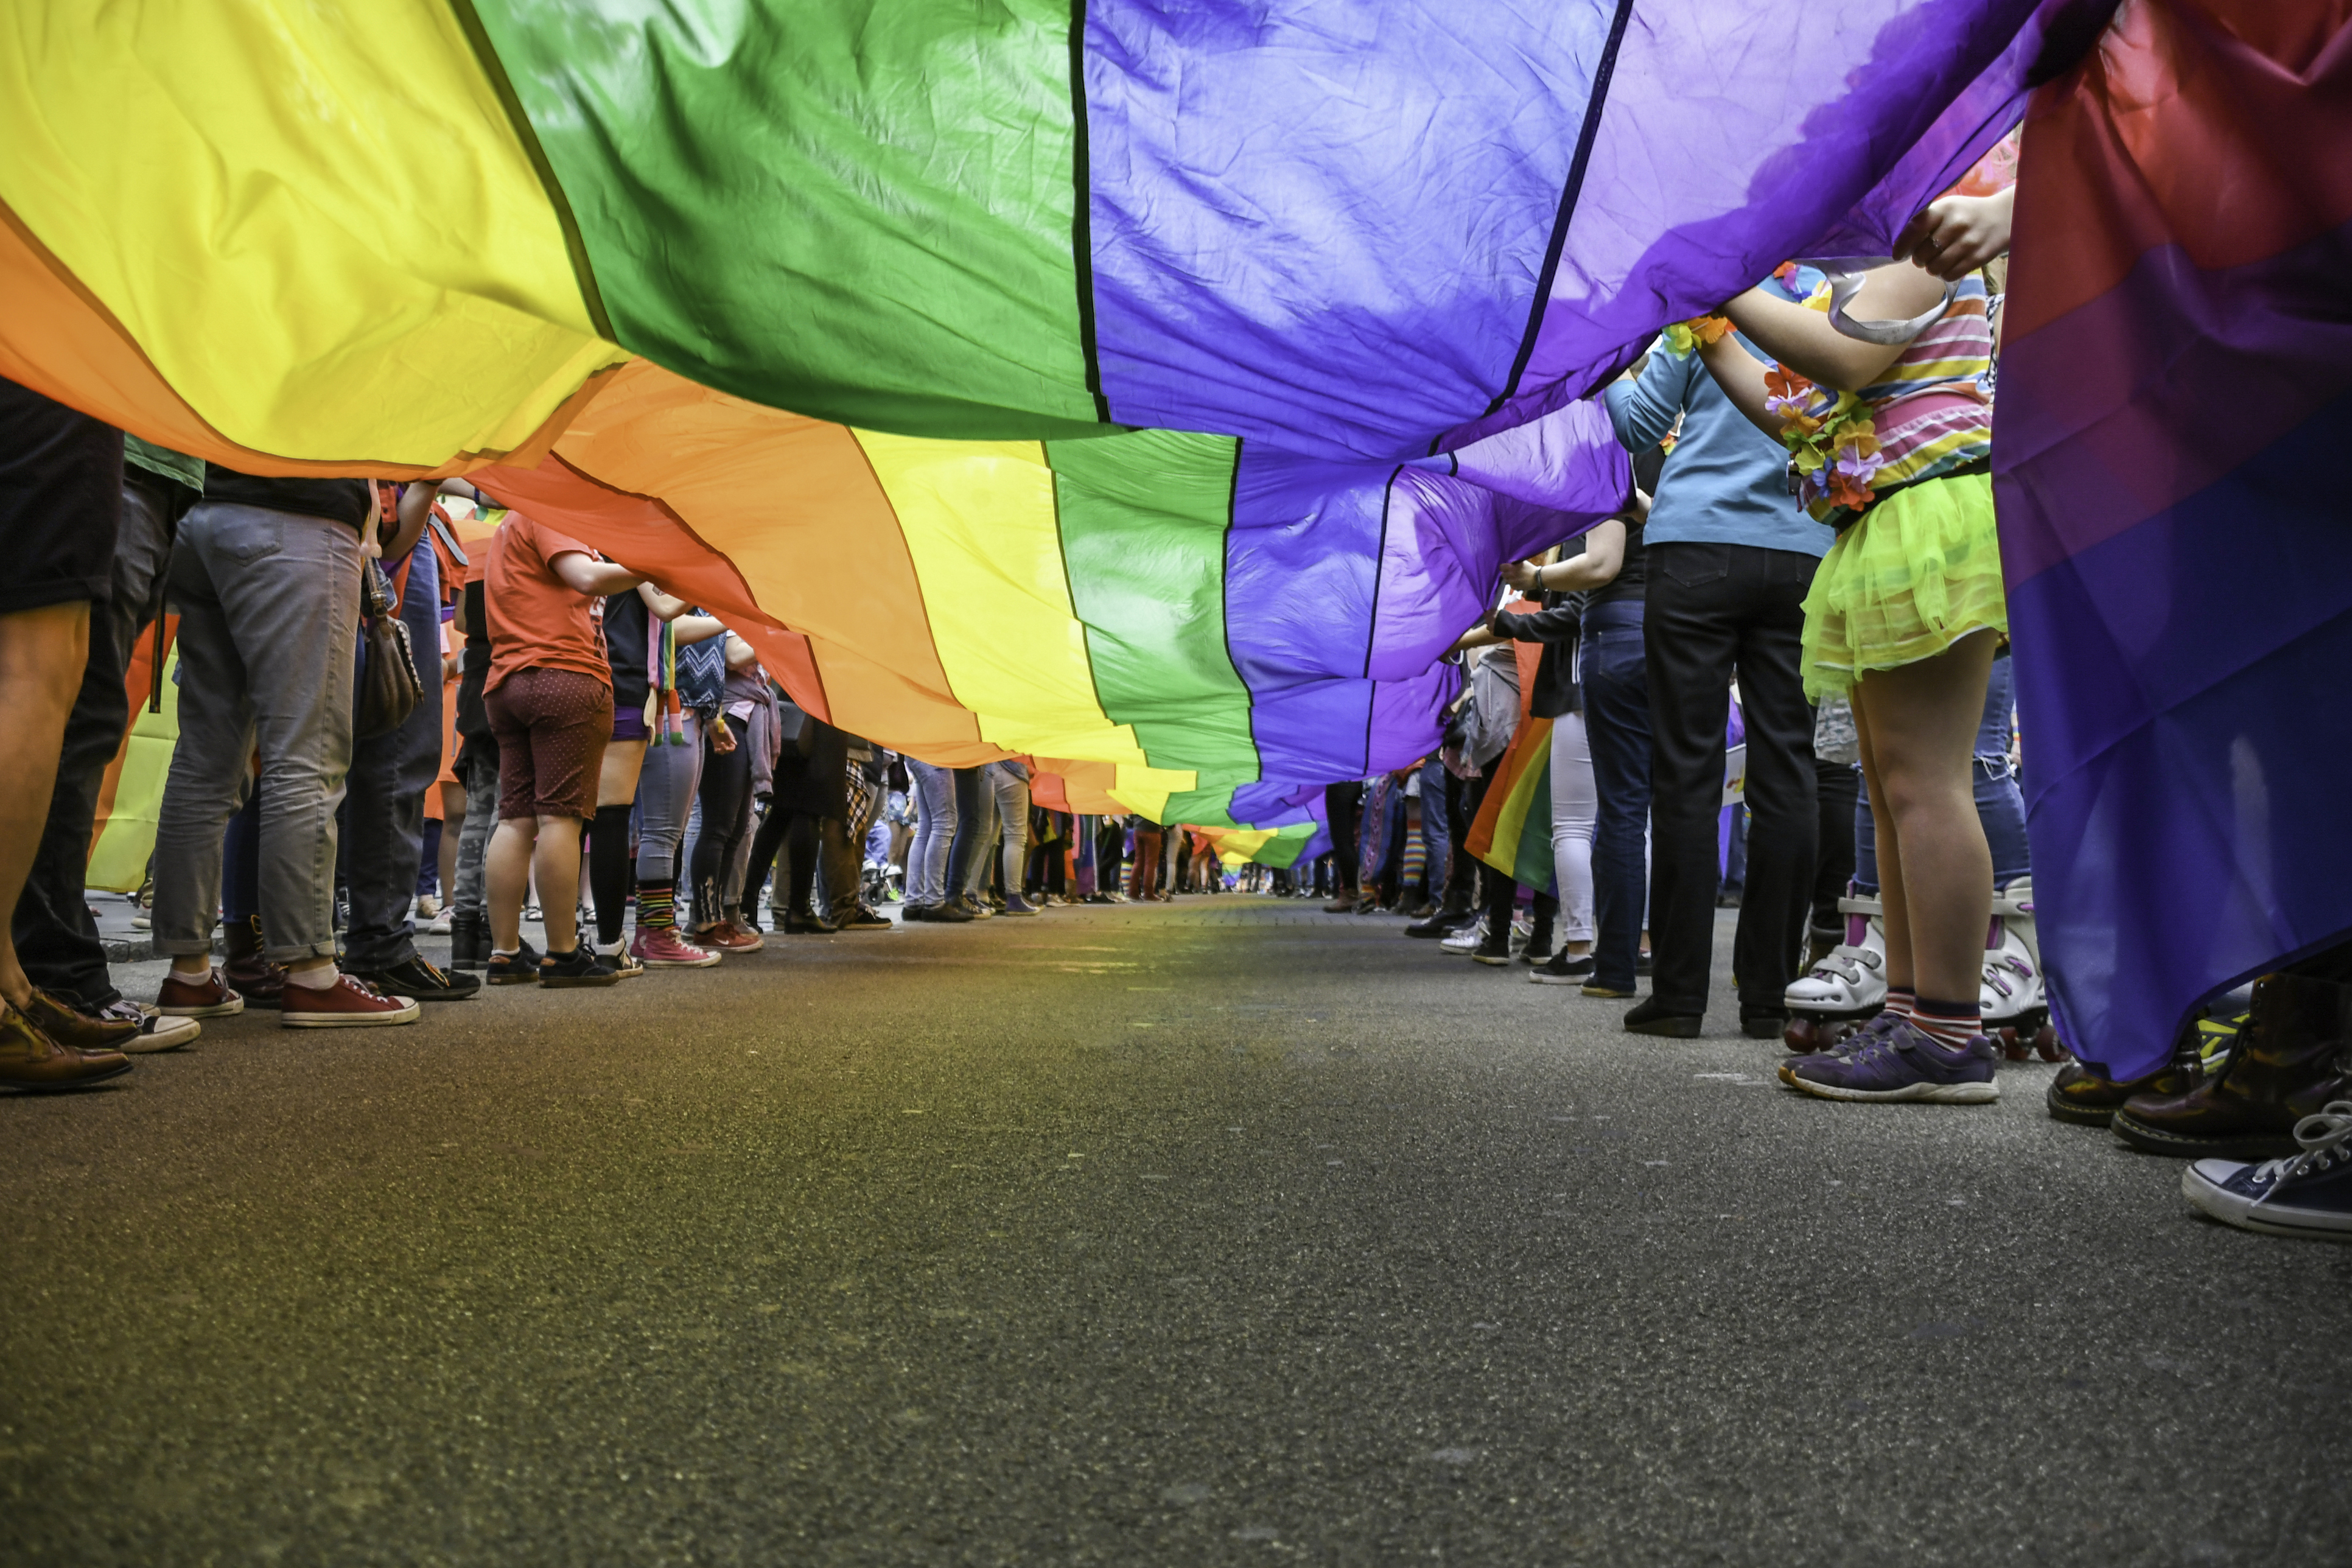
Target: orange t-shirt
[[537, 621]]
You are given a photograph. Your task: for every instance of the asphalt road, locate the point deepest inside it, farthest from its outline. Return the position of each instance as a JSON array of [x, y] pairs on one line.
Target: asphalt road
[[1224, 1232]]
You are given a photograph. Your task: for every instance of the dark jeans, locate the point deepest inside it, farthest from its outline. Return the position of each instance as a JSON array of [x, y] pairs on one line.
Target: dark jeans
[[1715, 610], [383, 798], [57, 941], [1615, 672]]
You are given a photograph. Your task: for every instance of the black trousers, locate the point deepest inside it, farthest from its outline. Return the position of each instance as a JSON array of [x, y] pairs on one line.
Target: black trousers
[[1716, 611], [1340, 803]]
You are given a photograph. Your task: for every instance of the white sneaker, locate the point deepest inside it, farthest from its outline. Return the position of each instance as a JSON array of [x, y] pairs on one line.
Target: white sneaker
[[440, 926], [1467, 939]]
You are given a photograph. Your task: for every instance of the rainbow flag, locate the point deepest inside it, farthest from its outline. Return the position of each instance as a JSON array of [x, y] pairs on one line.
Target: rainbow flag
[[1147, 389], [2175, 404], [1512, 831]]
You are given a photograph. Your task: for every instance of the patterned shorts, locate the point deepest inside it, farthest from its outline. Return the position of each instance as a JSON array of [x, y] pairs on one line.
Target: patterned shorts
[[551, 726]]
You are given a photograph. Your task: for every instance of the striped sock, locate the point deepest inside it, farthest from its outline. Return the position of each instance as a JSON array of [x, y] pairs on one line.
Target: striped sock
[[1901, 1000], [1952, 1024], [657, 905]]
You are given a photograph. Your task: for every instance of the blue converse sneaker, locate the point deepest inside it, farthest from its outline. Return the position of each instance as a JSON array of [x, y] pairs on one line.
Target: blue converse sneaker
[[1900, 1062], [2307, 1193]]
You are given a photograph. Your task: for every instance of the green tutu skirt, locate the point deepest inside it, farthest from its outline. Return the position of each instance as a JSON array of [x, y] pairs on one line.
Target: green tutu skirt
[[1919, 572]]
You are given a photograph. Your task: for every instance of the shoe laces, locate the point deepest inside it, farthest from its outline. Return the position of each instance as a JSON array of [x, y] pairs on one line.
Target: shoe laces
[[2326, 1138]]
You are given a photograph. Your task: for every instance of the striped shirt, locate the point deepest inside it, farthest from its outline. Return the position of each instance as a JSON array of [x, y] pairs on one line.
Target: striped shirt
[[1933, 411]]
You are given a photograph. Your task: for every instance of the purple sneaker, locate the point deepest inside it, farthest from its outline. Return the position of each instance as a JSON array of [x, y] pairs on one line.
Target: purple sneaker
[[2309, 1194], [1878, 1026], [1903, 1062]]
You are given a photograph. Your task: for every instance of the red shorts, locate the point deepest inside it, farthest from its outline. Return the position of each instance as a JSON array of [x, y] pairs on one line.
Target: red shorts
[[551, 726]]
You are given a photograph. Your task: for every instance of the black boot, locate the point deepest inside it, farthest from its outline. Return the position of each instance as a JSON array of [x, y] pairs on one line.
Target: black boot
[[469, 939]]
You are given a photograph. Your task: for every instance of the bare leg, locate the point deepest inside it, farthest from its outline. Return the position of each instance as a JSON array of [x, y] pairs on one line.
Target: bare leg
[[1918, 726], [555, 864], [453, 822], [616, 781], [507, 863], [42, 653]]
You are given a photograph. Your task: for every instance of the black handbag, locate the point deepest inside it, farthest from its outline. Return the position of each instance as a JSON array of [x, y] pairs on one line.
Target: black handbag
[[390, 689]]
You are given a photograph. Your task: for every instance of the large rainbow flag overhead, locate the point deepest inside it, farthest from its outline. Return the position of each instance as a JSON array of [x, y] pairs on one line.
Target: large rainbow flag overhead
[[867, 324]]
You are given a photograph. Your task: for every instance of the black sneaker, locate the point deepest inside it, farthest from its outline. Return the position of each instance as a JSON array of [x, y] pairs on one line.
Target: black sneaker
[[1563, 970], [863, 919], [1496, 948], [421, 980], [516, 969], [951, 914], [581, 967], [1444, 922]]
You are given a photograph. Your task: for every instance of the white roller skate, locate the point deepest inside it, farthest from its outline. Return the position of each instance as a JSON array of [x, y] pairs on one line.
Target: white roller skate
[[2016, 1010], [1846, 988]]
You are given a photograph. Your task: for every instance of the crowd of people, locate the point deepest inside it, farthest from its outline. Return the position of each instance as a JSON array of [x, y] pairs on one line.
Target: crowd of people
[[1813, 530]]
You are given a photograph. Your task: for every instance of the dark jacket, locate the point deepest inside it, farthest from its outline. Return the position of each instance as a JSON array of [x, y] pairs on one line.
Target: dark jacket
[[1556, 625]]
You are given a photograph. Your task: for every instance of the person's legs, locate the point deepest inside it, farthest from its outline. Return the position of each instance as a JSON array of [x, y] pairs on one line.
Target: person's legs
[[1690, 634], [610, 863], [1013, 811], [453, 831], [1617, 733], [801, 845], [1340, 803], [57, 941], [1575, 812], [1783, 814], [972, 795], [208, 781], [43, 654], [725, 785], [389, 776], [1836, 791], [1436, 827], [2000, 805], [666, 780], [1918, 725]]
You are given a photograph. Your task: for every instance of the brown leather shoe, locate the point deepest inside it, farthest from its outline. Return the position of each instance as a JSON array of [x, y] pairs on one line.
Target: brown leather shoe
[[2288, 1064], [69, 1026], [250, 975], [33, 1063], [2082, 1096]]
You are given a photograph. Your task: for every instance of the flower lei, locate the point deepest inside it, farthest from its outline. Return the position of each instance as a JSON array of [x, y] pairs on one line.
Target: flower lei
[[1684, 338], [1832, 445]]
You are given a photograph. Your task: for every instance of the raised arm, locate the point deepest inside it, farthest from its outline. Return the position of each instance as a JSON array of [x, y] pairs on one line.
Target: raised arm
[[583, 573], [1804, 341]]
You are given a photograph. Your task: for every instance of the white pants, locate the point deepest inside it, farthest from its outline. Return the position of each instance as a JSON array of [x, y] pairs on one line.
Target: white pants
[[1575, 812]]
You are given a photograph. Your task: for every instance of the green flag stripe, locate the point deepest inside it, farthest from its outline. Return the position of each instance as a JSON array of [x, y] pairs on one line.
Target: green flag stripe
[[1143, 518], [812, 203]]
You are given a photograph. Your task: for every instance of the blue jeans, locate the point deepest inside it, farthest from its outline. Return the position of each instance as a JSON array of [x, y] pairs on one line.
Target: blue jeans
[[975, 832], [1616, 679], [935, 826], [383, 801], [1011, 794], [1436, 830], [2000, 805]]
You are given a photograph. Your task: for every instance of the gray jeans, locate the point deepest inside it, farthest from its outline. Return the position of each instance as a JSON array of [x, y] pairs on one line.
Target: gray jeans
[[667, 783], [269, 605]]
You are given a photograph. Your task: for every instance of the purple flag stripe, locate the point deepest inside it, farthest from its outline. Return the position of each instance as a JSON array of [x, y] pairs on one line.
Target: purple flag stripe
[[2108, 415], [2182, 690]]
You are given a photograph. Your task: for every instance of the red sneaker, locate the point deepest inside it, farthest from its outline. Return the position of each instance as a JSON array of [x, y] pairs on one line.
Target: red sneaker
[[727, 937], [207, 998], [660, 947], [348, 1003]]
